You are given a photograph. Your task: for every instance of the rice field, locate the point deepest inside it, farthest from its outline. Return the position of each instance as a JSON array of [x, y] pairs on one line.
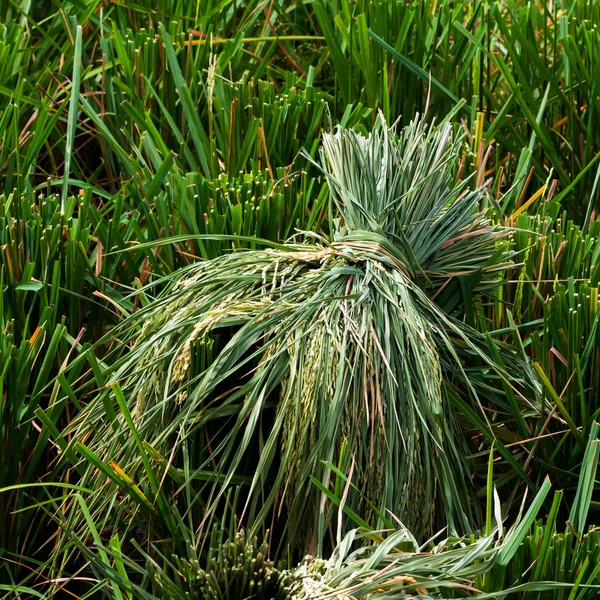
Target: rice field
[[299, 299]]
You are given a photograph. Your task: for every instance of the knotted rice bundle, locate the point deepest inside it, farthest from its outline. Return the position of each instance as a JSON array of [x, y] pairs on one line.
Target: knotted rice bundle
[[312, 364]]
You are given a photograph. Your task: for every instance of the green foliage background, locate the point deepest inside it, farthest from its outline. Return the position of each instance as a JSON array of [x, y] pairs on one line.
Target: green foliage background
[[134, 134]]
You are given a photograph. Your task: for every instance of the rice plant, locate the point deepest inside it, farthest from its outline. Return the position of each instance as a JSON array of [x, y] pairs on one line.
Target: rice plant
[[330, 351], [547, 306], [502, 563], [151, 149], [239, 568]]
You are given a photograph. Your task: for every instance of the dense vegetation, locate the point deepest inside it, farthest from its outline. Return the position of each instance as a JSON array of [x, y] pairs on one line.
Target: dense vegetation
[[222, 269]]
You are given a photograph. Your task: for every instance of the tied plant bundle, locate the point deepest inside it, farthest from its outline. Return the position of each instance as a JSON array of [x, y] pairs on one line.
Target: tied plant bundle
[[238, 568], [309, 370]]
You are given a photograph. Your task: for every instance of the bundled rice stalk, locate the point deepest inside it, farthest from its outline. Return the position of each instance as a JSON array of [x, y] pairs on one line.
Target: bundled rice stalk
[[541, 558], [331, 352], [239, 568], [530, 558], [236, 568], [398, 568]]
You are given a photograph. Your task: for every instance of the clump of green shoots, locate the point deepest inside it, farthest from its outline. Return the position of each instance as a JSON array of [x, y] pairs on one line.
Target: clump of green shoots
[[332, 353]]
